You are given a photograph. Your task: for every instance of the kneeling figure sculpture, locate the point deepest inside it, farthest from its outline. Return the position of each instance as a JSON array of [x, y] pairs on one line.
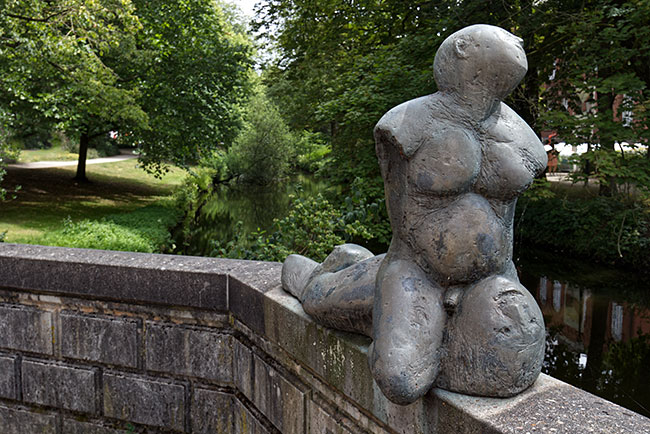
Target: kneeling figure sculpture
[[444, 306]]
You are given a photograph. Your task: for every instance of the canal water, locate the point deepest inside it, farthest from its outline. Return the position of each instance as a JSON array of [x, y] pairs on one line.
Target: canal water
[[597, 322], [597, 318], [246, 208]]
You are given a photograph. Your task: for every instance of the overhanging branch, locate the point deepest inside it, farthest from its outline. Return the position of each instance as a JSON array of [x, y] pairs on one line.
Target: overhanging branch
[[37, 20]]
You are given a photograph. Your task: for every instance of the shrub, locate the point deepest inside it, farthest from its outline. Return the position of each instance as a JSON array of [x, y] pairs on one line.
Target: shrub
[[102, 146], [628, 171], [312, 228], [601, 228], [312, 151], [190, 197], [8, 154], [366, 203], [262, 150]]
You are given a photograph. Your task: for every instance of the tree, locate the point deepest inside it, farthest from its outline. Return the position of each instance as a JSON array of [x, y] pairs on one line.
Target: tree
[[169, 76], [342, 65], [599, 92], [64, 61], [262, 151], [194, 83]]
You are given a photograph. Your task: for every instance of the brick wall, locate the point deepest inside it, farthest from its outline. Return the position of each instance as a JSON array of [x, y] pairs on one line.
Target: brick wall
[[104, 342]]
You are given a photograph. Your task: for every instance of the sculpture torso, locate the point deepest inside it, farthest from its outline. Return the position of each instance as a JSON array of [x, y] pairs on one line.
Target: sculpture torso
[[461, 178]]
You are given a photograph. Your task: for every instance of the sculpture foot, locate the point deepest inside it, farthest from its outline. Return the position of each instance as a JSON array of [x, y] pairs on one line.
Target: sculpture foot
[[296, 271], [339, 292]]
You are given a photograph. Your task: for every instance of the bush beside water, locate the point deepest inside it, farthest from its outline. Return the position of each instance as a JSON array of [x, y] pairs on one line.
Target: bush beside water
[[603, 229], [312, 228]]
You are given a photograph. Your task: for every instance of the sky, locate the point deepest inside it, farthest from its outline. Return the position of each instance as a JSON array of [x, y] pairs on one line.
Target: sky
[[246, 6]]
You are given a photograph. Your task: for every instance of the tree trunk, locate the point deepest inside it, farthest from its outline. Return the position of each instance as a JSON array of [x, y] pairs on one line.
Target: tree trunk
[[606, 109], [83, 153]]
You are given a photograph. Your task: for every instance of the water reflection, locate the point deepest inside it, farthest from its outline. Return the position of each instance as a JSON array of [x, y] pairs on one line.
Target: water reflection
[[246, 208], [598, 337]]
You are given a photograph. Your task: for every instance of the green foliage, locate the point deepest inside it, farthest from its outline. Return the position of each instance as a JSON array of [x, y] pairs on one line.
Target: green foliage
[[629, 171], [601, 228], [342, 65], [197, 183], [98, 147], [265, 149], [8, 154], [262, 151], [312, 228], [195, 78], [366, 203], [142, 230], [217, 164], [599, 91], [169, 76], [540, 189], [64, 64], [311, 151]]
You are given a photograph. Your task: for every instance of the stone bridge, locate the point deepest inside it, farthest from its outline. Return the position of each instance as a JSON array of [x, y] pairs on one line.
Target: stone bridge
[[108, 342]]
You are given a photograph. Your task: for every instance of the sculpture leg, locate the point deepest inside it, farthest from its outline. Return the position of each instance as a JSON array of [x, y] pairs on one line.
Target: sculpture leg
[[408, 327], [495, 340], [339, 292]]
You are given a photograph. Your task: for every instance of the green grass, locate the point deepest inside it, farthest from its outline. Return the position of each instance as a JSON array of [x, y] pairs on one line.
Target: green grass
[[49, 197], [142, 230], [51, 154], [579, 190]]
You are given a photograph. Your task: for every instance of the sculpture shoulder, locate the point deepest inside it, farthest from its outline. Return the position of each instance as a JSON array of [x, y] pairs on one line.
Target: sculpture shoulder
[[404, 124]]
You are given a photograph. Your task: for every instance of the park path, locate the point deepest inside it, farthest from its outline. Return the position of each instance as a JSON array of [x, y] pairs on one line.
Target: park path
[[48, 164]]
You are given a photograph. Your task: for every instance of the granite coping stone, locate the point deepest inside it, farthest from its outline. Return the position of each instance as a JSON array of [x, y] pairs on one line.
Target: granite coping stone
[[251, 291], [143, 278], [550, 405]]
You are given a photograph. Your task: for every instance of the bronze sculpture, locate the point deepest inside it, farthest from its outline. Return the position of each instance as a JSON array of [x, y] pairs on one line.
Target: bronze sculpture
[[444, 306]]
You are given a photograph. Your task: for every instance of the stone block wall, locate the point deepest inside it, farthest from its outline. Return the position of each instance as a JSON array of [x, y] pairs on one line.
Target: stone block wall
[[105, 342]]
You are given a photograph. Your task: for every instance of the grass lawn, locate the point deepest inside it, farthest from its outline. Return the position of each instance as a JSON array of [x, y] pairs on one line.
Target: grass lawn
[[51, 154], [48, 196], [578, 190]]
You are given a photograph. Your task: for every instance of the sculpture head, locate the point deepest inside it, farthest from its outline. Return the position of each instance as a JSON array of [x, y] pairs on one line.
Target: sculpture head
[[480, 61]]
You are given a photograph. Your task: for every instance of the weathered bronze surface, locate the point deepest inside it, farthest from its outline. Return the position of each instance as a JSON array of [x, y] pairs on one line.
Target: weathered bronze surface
[[444, 306]]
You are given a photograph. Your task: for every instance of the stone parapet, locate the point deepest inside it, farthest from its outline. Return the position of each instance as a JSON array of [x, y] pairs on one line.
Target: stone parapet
[[109, 342]]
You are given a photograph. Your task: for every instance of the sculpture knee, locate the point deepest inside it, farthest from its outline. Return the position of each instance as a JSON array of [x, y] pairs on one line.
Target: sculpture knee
[[495, 340], [314, 295], [408, 327], [397, 380]]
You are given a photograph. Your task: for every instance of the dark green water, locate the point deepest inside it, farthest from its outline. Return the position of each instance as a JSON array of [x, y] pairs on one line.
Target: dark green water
[[598, 325], [597, 318], [247, 208]]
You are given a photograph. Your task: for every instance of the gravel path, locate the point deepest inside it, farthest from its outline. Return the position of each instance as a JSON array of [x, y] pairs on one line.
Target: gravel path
[[48, 164]]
